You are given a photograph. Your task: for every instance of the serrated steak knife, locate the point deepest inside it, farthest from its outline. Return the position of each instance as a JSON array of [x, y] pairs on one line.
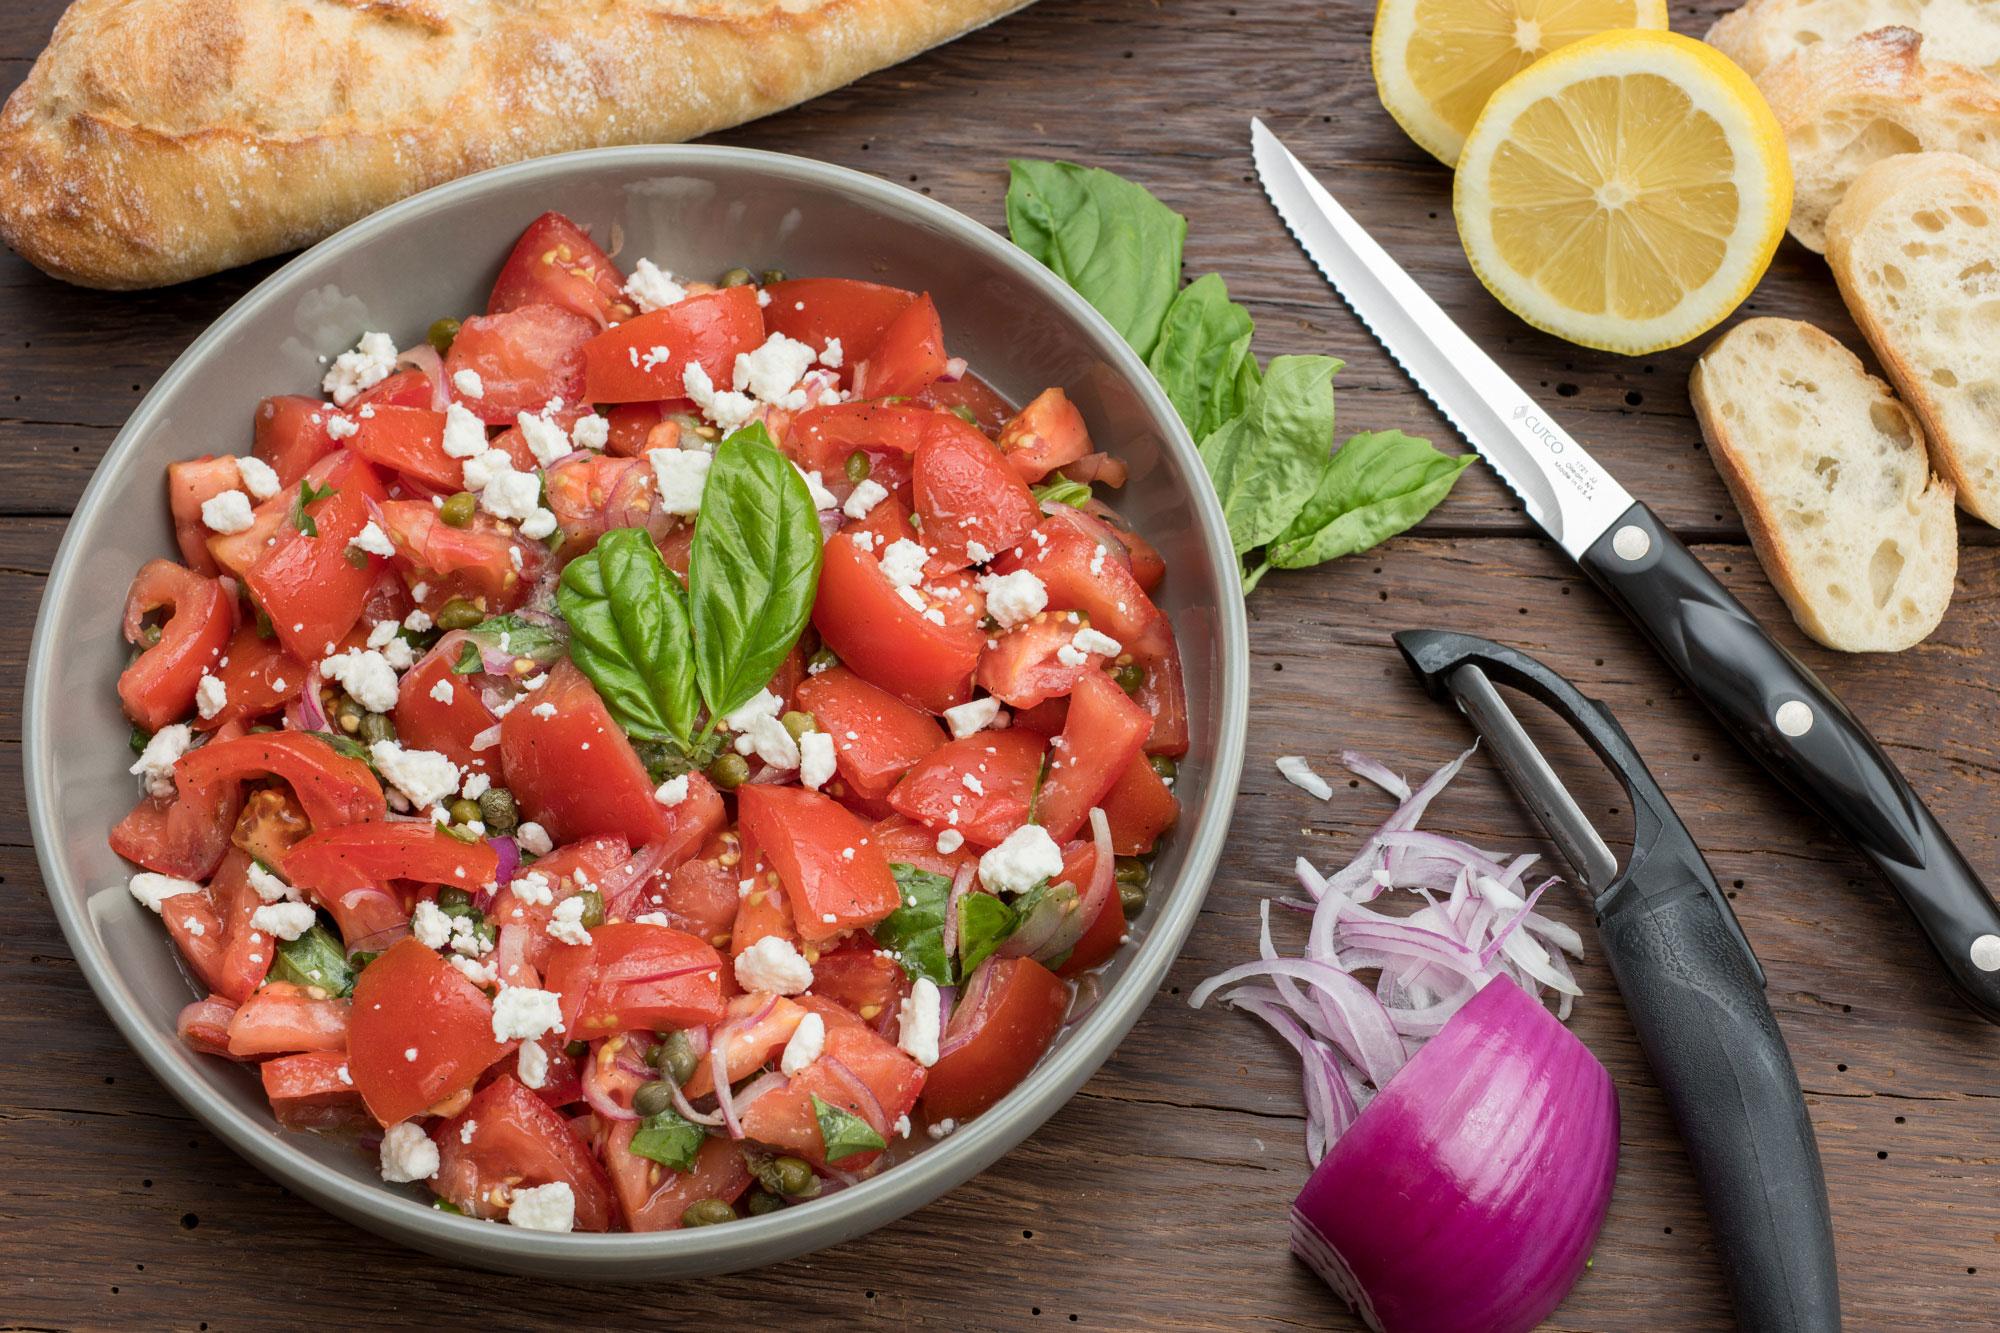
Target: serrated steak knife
[[1763, 695]]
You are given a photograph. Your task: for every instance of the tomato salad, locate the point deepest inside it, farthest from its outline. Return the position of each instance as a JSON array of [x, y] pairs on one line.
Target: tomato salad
[[640, 753]]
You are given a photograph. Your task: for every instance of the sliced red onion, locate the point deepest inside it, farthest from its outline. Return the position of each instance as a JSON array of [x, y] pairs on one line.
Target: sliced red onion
[[508, 853], [768, 1082], [485, 740], [965, 1020], [954, 370], [712, 1119], [959, 885], [305, 713], [718, 1069], [1361, 766], [620, 885], [829, 523], [422, 356], [864, 1096], [598, 1096]]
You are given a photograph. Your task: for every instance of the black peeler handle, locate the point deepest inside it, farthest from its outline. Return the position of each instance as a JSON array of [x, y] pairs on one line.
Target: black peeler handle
[[1696, 997]]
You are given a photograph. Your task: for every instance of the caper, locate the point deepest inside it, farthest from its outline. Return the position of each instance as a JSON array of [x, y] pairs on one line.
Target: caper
[[593, 909], [823, 659], [707, 1213], [458, 613], [729, 771], [453, 901], [772, 275], [458, 509], [347, 715], [1131, 870], [653, 1098], [497, 810], [140, 737], [857, 466], [577, 1049], [151, 635], [738, 277], [794, 1176], [1164, 766], [798, 723], [442, 334], [377, 727], [758, 1202], [1131, 898], [674, 1057], [464, 811], [1129, 677]]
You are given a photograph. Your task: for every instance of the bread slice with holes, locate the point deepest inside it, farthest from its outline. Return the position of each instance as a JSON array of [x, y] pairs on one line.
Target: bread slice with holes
[[1830, 473], [1764, 32], [1847, 105], [1915, 247]]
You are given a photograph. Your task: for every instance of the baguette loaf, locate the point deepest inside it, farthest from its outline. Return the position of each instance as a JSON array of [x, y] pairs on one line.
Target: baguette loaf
[[1830, 474], [1764, 32], [158, 140], [1915, 247], [1846, 105]]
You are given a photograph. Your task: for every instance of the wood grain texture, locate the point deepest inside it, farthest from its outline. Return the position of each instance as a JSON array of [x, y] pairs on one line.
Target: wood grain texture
[[1157, 1197]]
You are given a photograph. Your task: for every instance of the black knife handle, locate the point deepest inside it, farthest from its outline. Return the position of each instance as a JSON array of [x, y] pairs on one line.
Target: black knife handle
[[1771, 703], [1704, 1025]]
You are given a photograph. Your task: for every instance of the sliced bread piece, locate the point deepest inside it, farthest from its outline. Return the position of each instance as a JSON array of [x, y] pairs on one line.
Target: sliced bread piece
[[1764, 32], [1830, 473], [1915, 247], [1850, 104]]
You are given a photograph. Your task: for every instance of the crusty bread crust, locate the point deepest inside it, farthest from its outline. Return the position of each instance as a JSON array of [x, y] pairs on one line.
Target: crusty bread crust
[[1847, 104], [158, 140], [1816, 547], [1764, 32]]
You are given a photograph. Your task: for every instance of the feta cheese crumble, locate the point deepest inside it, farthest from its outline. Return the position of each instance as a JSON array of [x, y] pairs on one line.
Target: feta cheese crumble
[[903, 562], [653, 288], [227, 513], [808, 1040], [771, 372], [372, 540], [464, 433], [424, 776], [861, 501], [258, 477], [408, 1154], [366, 674], [211, 696], [1026, 858], [287, 921], [155, 764], [534, 839], [154, 891], [532, 1065], [672, 792], [680, 475], [550, 1207], [1013, 598], [773, 964], [566, 924], [354, 372], [524, 1013], [468, 383], [919, 1021], [269, 887], [430, 924], [816, 761], [968, 719]]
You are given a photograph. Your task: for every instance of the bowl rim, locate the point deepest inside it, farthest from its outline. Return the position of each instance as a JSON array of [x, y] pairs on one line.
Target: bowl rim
[[771, 1238]]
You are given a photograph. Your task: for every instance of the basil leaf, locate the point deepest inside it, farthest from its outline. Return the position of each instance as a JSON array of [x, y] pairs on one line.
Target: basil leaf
[[1117, 245], [345, 746], [669, 1139], [753, 570], [308, 495], [1379, 484], [629, 632], [914, 932], [315, 958], [517, 636], [842, 1132], [1266, 463], [1061, 490], [984, 923], [470, 660], [1203, 357]]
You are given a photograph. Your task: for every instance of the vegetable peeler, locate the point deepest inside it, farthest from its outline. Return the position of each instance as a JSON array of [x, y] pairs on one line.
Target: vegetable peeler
[[1692, 984]]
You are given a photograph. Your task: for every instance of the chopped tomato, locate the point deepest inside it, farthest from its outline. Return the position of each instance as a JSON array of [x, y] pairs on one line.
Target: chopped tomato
[[508, 1139], [968, 394], [655, 1197], [409, 440], [484, 561], [333, 788], [862, 978], [645, 359], [313, 1091], [1003, 767], [281, 1018], [247, 953], [1048, 433], [524, 935], [291, 435], [1025, 666], [190, 485], [754, 1030], [967, 496], [818, 310], [454, 724], [309, 582], [884, 639], [409, 999], [382, 853], [835, 877], [1163, 695], [259, 677], [906, 842], [908, 357], [635, 975], [186, 834], [405, 388], [1103, 935], [556, 263], [524, 357], [877, 737], [1081, 574], [700, 894], [996, 1036], [571, 768], [822, 438], [204, 1025], [159, 687], [1103, 736], [594, 494], [1099, 521], [631, 426], [1139, 808], [858, 1071], [764, 909]]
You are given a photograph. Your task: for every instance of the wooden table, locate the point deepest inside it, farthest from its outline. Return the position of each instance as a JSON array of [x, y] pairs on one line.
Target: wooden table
[[1158, 1197]]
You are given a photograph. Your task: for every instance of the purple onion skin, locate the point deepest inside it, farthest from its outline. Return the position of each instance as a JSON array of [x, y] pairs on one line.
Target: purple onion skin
[[1467, 1196]]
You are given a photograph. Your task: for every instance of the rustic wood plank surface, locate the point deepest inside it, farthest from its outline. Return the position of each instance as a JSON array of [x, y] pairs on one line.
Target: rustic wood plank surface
[[1157, 1197]]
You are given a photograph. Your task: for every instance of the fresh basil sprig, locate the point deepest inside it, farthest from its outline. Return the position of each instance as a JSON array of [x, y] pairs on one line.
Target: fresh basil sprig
[[629, 633], [914, 932], [842, 1132], [1267, 437], [753, 570]]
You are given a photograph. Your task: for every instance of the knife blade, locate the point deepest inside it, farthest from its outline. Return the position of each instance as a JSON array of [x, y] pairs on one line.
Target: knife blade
[[1765, 698]]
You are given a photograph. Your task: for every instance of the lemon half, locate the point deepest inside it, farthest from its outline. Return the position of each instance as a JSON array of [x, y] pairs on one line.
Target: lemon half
[[1437, 61], [1626, 192]]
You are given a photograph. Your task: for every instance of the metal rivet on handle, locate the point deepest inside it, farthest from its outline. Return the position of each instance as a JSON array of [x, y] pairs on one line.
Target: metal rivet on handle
[[1986, 953], [1631, 542], [1795, 718]]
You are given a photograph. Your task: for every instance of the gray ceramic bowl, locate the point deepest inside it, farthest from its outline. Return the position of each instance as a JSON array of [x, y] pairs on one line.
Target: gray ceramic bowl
[[696, 210]]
